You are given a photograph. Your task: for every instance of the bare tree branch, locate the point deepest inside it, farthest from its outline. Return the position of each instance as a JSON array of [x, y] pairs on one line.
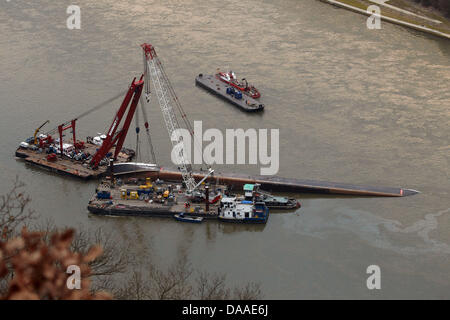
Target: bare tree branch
[[116, 259], [14, 211]]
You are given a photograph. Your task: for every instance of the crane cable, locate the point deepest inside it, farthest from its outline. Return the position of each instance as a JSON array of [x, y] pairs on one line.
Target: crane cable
[[89, 111], [178, 104], [147, 129], [175, 98], [138, 146]]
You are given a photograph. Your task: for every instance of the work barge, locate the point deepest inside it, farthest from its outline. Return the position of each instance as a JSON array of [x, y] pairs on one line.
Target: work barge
[[67, 166], [83, 159], [129, 197], [228, 93], [119, 204]]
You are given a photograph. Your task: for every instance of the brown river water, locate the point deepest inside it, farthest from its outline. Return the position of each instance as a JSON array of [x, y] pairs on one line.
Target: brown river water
[[353, 105]]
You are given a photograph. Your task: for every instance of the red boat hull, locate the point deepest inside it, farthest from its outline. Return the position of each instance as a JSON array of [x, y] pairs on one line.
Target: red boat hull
[[251, 91]]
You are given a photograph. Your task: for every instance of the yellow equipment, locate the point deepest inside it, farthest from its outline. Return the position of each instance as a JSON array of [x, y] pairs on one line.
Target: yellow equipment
[[131, 195], [37, 131], [147, 185], [166, 193]]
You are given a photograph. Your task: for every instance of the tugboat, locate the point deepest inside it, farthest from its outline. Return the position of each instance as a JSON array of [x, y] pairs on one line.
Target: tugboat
[[242, 211], [230, 78], [252, 192]]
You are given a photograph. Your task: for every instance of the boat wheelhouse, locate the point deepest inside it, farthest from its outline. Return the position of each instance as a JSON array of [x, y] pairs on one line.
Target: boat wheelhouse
[[232, 209]]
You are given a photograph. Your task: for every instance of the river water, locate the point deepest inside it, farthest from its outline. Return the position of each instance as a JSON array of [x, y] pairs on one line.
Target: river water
[[353, 105]]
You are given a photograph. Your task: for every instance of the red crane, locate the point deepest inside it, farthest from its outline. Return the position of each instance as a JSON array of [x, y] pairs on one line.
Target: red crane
[[61, 129], [115, 137]]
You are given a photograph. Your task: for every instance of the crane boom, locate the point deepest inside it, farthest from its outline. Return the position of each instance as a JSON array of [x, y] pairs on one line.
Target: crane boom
[[37, 131], [166, 98], [114, 136]]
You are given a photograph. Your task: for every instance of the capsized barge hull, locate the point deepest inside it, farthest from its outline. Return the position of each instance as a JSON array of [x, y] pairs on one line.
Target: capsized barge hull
[[219, 88], [280, 184]]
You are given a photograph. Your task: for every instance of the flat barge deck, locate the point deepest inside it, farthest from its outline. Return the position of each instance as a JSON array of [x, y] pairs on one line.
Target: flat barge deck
[[292, 185], [69, 166], [118, 205], [219, 88], [136, 208], [115, 204]]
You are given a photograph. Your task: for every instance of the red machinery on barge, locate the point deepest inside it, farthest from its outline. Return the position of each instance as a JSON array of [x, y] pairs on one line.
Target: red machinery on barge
[[230, 78], [90, 158]]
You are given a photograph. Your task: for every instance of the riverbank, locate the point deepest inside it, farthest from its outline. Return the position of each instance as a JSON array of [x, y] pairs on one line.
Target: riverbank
[[401, 12]]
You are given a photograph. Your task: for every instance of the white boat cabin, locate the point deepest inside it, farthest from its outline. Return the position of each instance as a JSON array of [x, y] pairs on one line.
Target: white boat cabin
[[233, 209]]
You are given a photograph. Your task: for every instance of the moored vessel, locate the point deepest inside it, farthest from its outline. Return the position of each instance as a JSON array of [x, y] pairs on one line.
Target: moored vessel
[[231, 79], [231, 209], [228, 92], [181, 217], [253, 192]]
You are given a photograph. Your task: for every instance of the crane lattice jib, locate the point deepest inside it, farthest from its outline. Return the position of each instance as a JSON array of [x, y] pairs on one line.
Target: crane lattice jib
[[166, 98]]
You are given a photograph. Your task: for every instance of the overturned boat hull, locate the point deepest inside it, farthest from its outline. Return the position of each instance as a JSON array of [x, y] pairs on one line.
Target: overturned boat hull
[[291, 185]]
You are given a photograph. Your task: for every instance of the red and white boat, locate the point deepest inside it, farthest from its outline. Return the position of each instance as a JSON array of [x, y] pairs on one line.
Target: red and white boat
[[230, 78]]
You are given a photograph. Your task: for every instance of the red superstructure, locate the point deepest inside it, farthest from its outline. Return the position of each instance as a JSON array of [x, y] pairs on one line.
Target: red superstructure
[[117, 138], [230, 78]]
